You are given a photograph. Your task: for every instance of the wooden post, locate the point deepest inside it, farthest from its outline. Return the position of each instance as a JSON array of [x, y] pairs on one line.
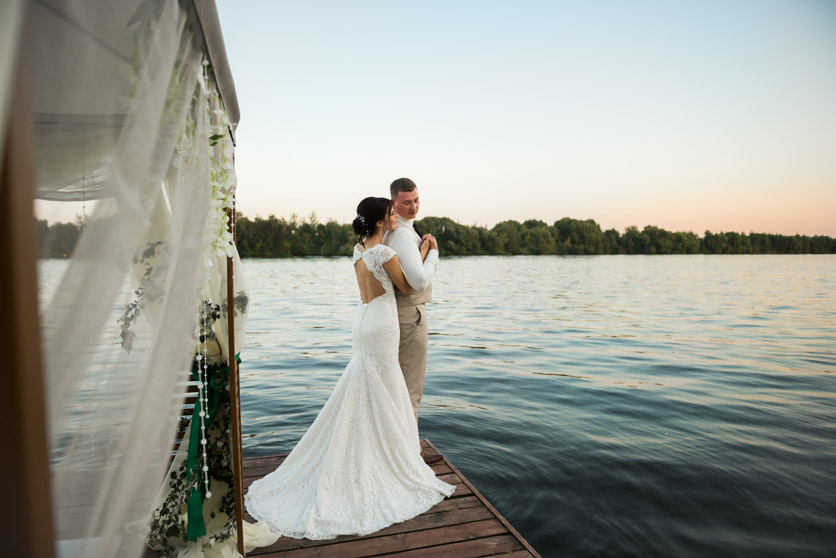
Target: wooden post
[[26, 513], [235, 398]]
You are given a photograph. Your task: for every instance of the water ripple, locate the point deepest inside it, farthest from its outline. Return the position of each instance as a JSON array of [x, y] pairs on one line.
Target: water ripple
[[607, 406]]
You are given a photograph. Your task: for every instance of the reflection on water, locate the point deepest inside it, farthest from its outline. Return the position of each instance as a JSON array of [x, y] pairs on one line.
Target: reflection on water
[[607, 406]]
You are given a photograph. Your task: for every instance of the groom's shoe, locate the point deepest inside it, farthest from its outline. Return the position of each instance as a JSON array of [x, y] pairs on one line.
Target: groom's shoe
[[430, 457]]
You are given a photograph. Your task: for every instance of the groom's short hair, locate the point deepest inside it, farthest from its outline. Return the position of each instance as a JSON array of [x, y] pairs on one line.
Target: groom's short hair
[[401, 185]]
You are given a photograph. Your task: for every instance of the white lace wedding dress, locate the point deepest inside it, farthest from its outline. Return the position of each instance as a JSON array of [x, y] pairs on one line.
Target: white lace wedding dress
[[358, 468]]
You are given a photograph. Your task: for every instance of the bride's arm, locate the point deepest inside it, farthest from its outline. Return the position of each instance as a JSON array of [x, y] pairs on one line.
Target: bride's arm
[[418, 274], [428, 243], [393, 268]]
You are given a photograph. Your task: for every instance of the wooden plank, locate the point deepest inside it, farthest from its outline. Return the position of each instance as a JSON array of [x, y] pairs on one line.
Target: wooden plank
[[463, 525], [517, 554], [488, 505], [445, 505], [462, 490], [456, 504], [273, 460], [420, 523], [450, 478], [399, 542], [440, 468], [249, 458], [259, 471], [26, 513], [489, 546]]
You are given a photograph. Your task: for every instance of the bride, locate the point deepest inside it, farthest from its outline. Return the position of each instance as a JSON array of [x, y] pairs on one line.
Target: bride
[[358, 468]]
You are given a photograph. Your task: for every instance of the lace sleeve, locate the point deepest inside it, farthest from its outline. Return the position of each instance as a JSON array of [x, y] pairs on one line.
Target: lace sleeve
[[357, 254], [380, 255]]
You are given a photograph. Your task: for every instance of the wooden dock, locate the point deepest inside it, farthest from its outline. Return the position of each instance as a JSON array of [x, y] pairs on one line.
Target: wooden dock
[[464, 525]]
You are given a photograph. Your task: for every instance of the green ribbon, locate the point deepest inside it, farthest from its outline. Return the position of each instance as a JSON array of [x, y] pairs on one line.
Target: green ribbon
[[214, 393]]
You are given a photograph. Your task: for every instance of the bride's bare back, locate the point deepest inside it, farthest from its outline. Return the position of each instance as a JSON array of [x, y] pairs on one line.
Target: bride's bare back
[[370, 287]]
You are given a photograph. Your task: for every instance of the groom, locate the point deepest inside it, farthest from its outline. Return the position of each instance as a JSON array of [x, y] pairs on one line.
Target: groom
[[412, 314]]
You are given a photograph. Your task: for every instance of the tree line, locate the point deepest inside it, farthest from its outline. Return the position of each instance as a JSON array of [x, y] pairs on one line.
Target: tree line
[[274, 237]]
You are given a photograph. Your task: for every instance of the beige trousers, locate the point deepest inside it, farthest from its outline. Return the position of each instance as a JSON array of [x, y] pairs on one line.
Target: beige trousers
[[412, 353]]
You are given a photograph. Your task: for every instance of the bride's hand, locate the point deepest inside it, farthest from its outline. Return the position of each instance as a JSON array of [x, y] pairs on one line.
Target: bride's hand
[[428, 238]]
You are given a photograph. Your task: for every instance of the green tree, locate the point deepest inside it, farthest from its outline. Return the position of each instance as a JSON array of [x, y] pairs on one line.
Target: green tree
[[453, 239], [508, 237], [273, 237], [611, 242], [577, 237], [634, 242], [337, 240], [538, 238]]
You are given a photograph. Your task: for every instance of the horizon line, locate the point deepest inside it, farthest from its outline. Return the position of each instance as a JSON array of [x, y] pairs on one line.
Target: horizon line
[[305, 219]]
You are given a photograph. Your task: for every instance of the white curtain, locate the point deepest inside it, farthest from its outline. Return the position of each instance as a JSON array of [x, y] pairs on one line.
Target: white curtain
[[11, 18], [126, 112]]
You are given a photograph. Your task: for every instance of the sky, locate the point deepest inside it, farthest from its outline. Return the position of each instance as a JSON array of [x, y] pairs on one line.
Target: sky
[[687, 115]]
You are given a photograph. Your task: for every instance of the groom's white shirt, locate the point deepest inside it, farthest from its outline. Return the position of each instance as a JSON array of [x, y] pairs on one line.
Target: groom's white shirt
[[407, 244]]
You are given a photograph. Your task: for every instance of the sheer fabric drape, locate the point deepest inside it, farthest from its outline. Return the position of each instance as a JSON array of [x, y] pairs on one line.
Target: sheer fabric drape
[[11, 19], [125, 113]]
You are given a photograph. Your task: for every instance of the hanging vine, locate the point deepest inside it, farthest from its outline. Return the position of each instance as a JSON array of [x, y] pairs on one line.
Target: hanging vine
[[154, 258], [207, 464]]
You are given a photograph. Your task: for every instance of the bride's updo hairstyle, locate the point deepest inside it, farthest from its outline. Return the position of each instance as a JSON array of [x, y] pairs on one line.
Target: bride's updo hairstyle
[[369, 212]]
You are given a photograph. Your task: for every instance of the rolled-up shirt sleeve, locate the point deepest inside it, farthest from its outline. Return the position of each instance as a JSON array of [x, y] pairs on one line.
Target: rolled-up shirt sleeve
[[418, 274]]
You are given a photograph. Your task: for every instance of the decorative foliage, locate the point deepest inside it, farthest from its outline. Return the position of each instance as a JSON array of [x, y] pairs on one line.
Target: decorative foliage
[[211, 313], [132, 312], [179, 518], [222, 171], [170, 521], [188, 483], [240, 302], [154, 258]]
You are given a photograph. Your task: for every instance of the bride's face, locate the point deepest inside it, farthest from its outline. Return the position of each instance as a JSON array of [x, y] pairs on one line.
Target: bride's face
[[391, 222]]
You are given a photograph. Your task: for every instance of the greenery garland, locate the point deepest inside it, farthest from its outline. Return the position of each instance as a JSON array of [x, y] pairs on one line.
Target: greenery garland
[[171, 528]]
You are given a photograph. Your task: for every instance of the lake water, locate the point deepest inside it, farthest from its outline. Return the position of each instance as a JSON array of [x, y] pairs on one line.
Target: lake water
[[607, 406]]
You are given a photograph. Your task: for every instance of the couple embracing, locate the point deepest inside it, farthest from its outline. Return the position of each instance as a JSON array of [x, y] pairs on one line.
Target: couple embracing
[[359, 467]]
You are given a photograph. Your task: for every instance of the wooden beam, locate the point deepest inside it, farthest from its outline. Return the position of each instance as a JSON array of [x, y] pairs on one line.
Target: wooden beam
[[24, 471], [487, 504], [234, 397]]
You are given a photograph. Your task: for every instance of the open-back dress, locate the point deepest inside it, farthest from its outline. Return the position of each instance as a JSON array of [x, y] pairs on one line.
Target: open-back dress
[[358, 468]]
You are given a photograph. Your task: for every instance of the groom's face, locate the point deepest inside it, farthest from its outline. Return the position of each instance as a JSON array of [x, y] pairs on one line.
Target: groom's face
[[406, 204]]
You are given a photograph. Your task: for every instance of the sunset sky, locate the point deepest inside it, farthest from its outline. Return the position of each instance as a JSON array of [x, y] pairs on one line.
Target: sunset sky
[[711, 114]]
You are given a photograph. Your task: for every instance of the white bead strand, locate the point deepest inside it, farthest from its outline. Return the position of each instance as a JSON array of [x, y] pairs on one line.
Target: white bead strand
[[203, 366]]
